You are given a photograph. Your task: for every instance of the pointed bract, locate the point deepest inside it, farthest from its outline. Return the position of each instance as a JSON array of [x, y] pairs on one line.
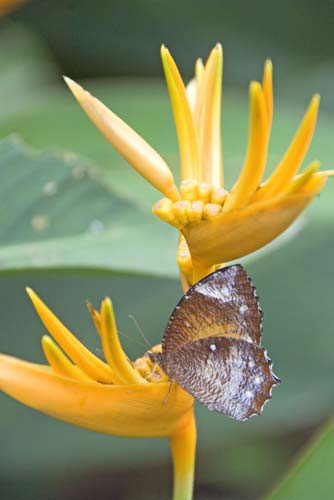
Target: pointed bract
[[208, 119], [135, 410], [60, 363], [124, 372], [267, 85], [127, 142], [185, 126], [252, 171], [88, 362], [294, 156]]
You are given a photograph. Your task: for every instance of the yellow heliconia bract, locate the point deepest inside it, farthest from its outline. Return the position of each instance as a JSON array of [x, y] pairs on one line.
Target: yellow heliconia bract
[[252, 171], [218, 225], [129, 144], [184, 120], [207, 112], [118, 396]]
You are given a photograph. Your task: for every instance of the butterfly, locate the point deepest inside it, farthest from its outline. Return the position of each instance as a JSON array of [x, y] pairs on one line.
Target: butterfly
[[211, 345]]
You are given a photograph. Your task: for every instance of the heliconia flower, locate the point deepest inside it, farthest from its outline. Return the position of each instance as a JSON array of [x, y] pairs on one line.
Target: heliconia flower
[[217, 225], [116, 397]]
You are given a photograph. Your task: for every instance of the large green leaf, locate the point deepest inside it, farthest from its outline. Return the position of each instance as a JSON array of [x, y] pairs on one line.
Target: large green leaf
[[312, 476], [56, 213]]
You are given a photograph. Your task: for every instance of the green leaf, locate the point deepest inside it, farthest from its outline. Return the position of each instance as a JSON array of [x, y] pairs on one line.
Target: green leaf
[[56, 213], [312, 476]]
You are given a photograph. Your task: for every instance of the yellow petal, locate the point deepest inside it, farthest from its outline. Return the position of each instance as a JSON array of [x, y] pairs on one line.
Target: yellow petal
[[195, 211], [293, 157], [90, 364], [189, 190], [300, 180], [183, 260], [122, 368], [181, 209], [218, 195], [128, 143], [267, 85], [236, 234], [315, 183], [199, 70], [211, 211], [252, 171], [127, 410], [192, 90], [165, 210], [204, 192], [185, 127], [192, 87], [208, 119], [60, 363]]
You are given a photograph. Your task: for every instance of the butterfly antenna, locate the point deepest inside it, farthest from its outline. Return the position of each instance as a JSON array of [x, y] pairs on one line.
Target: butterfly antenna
[[168, 393], [140, 330], [129, 337]]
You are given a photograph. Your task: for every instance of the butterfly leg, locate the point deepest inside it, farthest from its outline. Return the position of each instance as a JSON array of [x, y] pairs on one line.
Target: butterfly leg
[[168, 393]]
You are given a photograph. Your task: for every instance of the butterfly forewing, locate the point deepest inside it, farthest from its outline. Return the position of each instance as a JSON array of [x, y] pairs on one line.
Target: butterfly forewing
[[225, 374], [223, 303]]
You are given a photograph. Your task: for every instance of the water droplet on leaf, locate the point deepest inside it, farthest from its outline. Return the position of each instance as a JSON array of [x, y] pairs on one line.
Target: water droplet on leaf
[[50, 188], [96, 226], [39, 222]]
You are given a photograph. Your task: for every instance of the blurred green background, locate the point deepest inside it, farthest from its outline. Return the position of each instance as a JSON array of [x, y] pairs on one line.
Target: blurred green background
[[92, 226]]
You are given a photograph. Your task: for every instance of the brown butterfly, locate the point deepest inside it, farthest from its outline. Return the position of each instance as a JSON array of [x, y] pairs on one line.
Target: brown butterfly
[[211, 346]]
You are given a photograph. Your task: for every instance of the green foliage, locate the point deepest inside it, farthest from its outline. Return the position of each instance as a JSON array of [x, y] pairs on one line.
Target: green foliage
[[312, 476]]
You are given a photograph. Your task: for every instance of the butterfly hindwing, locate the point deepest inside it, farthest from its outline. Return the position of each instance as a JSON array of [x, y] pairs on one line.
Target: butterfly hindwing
[[231, 376]]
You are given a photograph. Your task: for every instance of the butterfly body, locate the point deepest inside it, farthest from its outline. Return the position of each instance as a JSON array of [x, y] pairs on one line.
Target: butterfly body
[[211, 346]]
